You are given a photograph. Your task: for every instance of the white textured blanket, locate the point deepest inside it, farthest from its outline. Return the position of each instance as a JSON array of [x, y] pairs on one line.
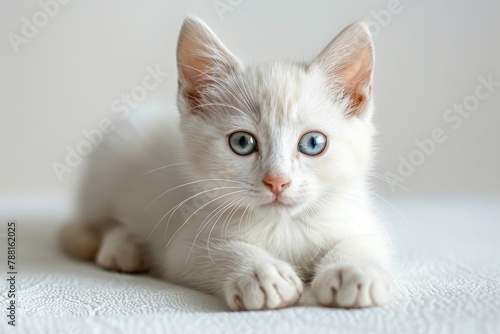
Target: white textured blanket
[[448, 280]]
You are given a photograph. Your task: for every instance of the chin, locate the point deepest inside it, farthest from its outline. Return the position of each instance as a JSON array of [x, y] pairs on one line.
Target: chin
[[281, 207]]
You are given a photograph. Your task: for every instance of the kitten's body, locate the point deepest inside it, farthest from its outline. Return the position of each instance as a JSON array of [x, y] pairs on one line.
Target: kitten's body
[[243, 241]]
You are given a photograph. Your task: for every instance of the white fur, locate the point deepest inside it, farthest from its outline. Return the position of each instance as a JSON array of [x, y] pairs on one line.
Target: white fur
[[120, 250], [231, 241]]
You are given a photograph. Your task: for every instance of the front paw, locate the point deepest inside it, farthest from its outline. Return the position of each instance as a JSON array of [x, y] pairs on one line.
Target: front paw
[[121, 251], [265, 286], [351, 286]]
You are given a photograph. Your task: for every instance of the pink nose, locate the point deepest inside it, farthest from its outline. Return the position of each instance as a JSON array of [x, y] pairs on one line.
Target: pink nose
[[276, 184]]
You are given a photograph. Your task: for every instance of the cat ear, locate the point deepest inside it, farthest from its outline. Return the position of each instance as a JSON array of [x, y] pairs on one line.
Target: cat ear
[[201, 59], [348, 64]]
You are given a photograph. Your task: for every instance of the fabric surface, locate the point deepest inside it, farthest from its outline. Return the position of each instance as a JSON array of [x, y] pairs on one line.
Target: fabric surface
[[448, 281]]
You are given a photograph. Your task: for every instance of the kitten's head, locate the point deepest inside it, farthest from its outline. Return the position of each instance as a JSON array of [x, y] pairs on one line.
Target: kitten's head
[[286, 135]]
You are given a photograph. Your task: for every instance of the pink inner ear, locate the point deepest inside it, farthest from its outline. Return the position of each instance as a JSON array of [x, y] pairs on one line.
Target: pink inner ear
[[356, 79], [348, 63], [195, 77], [193, 70], [193, 99], [200, 56]]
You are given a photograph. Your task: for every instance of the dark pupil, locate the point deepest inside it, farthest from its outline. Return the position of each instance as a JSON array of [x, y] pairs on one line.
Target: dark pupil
[[313, 142], [243, 142]]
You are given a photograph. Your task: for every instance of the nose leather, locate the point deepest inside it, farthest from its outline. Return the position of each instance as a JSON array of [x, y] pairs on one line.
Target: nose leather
[[276, 184]]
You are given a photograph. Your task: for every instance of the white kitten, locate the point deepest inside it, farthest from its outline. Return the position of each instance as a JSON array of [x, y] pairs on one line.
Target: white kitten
[[262, 190]]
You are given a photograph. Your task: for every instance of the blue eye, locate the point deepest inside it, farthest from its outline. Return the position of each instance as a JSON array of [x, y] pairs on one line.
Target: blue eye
[[243, 143], [312, 143]]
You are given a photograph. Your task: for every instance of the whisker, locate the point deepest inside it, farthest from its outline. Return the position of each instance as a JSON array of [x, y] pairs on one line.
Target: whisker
[[228, 219], [389, 180], [178, 206], [352, 201], [187, 184], [384, 216], [210, 234], [329, 206], [167, 166], [214, 213], [243, 215], [181, 203], [197, 210], [220, 209], [249, 214], [393, 206]]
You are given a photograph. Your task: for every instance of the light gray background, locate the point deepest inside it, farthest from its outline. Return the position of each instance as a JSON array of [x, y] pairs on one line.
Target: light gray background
[[429, 55]]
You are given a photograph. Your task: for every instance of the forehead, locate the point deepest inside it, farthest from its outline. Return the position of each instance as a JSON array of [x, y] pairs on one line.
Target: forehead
[[287, 96], [273, 99]]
